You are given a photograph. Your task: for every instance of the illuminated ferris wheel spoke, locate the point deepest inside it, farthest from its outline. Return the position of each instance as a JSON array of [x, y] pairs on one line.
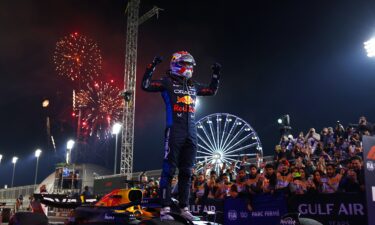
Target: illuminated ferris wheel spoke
[[212, 133], [209, 145], [241, 148], [206, 153], [234, 137], [204, 141], [229, 160], [240, 155], [224, 132], [203, 157], [230, 132], [208, 137], [225, 160], [218, 126], [237, 143]]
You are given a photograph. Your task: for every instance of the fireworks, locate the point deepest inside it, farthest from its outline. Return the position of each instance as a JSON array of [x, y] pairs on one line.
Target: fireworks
[[77, 58], [101, 106]]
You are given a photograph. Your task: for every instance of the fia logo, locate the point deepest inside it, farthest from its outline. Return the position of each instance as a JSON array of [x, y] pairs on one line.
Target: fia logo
[[232, 215]]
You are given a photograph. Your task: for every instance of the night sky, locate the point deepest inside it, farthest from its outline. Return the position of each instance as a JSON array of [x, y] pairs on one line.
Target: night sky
[[302, 58]]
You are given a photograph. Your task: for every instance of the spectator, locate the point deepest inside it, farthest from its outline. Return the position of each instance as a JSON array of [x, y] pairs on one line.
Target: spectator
[[43, 190], [357, 165], [174, 187], [364, 127], [324, 136], [315, 185], [298, 185], [152, 189], [283, 175], [143, 180], [350, 182], [86, 193], [312, 138], [309, 167], [321, 164], [332, 180], [241, 180], [233, 191], [268, 180], [223, 187], [252, 180], [198, 188], [300, 140], [211, 186]]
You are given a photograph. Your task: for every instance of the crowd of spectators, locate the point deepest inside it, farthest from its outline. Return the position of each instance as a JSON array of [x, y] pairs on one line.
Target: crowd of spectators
[[325, 162]]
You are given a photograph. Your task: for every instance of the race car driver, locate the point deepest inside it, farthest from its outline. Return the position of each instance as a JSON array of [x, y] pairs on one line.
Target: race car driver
[[179, 93]]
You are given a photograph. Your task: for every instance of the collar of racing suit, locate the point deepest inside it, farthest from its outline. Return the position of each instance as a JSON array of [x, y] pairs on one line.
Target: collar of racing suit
[[181, 80]]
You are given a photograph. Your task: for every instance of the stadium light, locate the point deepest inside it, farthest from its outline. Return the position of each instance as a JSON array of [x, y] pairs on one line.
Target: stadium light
[[1, 157], [14, 161], [116, 130], [69, 147], [284, 125], [45, 103], [370, 47], [70, 144], [38, 152]]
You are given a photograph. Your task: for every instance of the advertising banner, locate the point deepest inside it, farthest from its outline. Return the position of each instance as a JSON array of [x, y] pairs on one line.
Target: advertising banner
[[236, 212], [331, 209], [369, 168], [215, 207], [266, 209]]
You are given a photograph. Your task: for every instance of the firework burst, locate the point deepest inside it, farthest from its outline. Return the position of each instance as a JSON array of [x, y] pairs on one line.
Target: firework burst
[[100, 106], [77, 58]]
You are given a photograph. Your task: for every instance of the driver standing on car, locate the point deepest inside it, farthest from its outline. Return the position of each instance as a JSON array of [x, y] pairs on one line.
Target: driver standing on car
[[179, 93]]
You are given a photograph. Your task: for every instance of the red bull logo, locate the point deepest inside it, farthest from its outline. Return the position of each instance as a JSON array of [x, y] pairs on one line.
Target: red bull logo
[[187, 100], [185, 108]]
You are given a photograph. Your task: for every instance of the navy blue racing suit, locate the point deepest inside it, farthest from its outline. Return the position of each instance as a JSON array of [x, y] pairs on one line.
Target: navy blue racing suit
[[180, 147]]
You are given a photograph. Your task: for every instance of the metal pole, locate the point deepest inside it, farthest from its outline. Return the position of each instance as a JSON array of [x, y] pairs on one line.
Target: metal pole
[[36, 170], [14, 168], [115, 166]]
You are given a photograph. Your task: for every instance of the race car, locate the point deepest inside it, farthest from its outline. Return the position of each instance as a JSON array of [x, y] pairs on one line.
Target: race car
[[120, 207]]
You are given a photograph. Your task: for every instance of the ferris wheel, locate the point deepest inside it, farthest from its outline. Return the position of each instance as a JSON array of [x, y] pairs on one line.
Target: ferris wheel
[[225, 138]]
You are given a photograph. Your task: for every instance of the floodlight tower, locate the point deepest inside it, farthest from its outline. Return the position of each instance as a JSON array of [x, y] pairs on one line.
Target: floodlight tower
[[370, 47], [127, 141]]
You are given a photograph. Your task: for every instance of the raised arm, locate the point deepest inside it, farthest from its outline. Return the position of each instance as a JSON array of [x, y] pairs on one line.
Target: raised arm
[[147, 83], [211, 89]]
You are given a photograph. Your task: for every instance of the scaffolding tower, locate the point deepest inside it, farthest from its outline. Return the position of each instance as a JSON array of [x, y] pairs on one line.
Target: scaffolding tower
[[127, 141]]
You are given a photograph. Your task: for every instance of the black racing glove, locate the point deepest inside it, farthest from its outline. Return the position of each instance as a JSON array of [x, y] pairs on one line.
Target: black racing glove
[[157, 60], [216, 69]]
